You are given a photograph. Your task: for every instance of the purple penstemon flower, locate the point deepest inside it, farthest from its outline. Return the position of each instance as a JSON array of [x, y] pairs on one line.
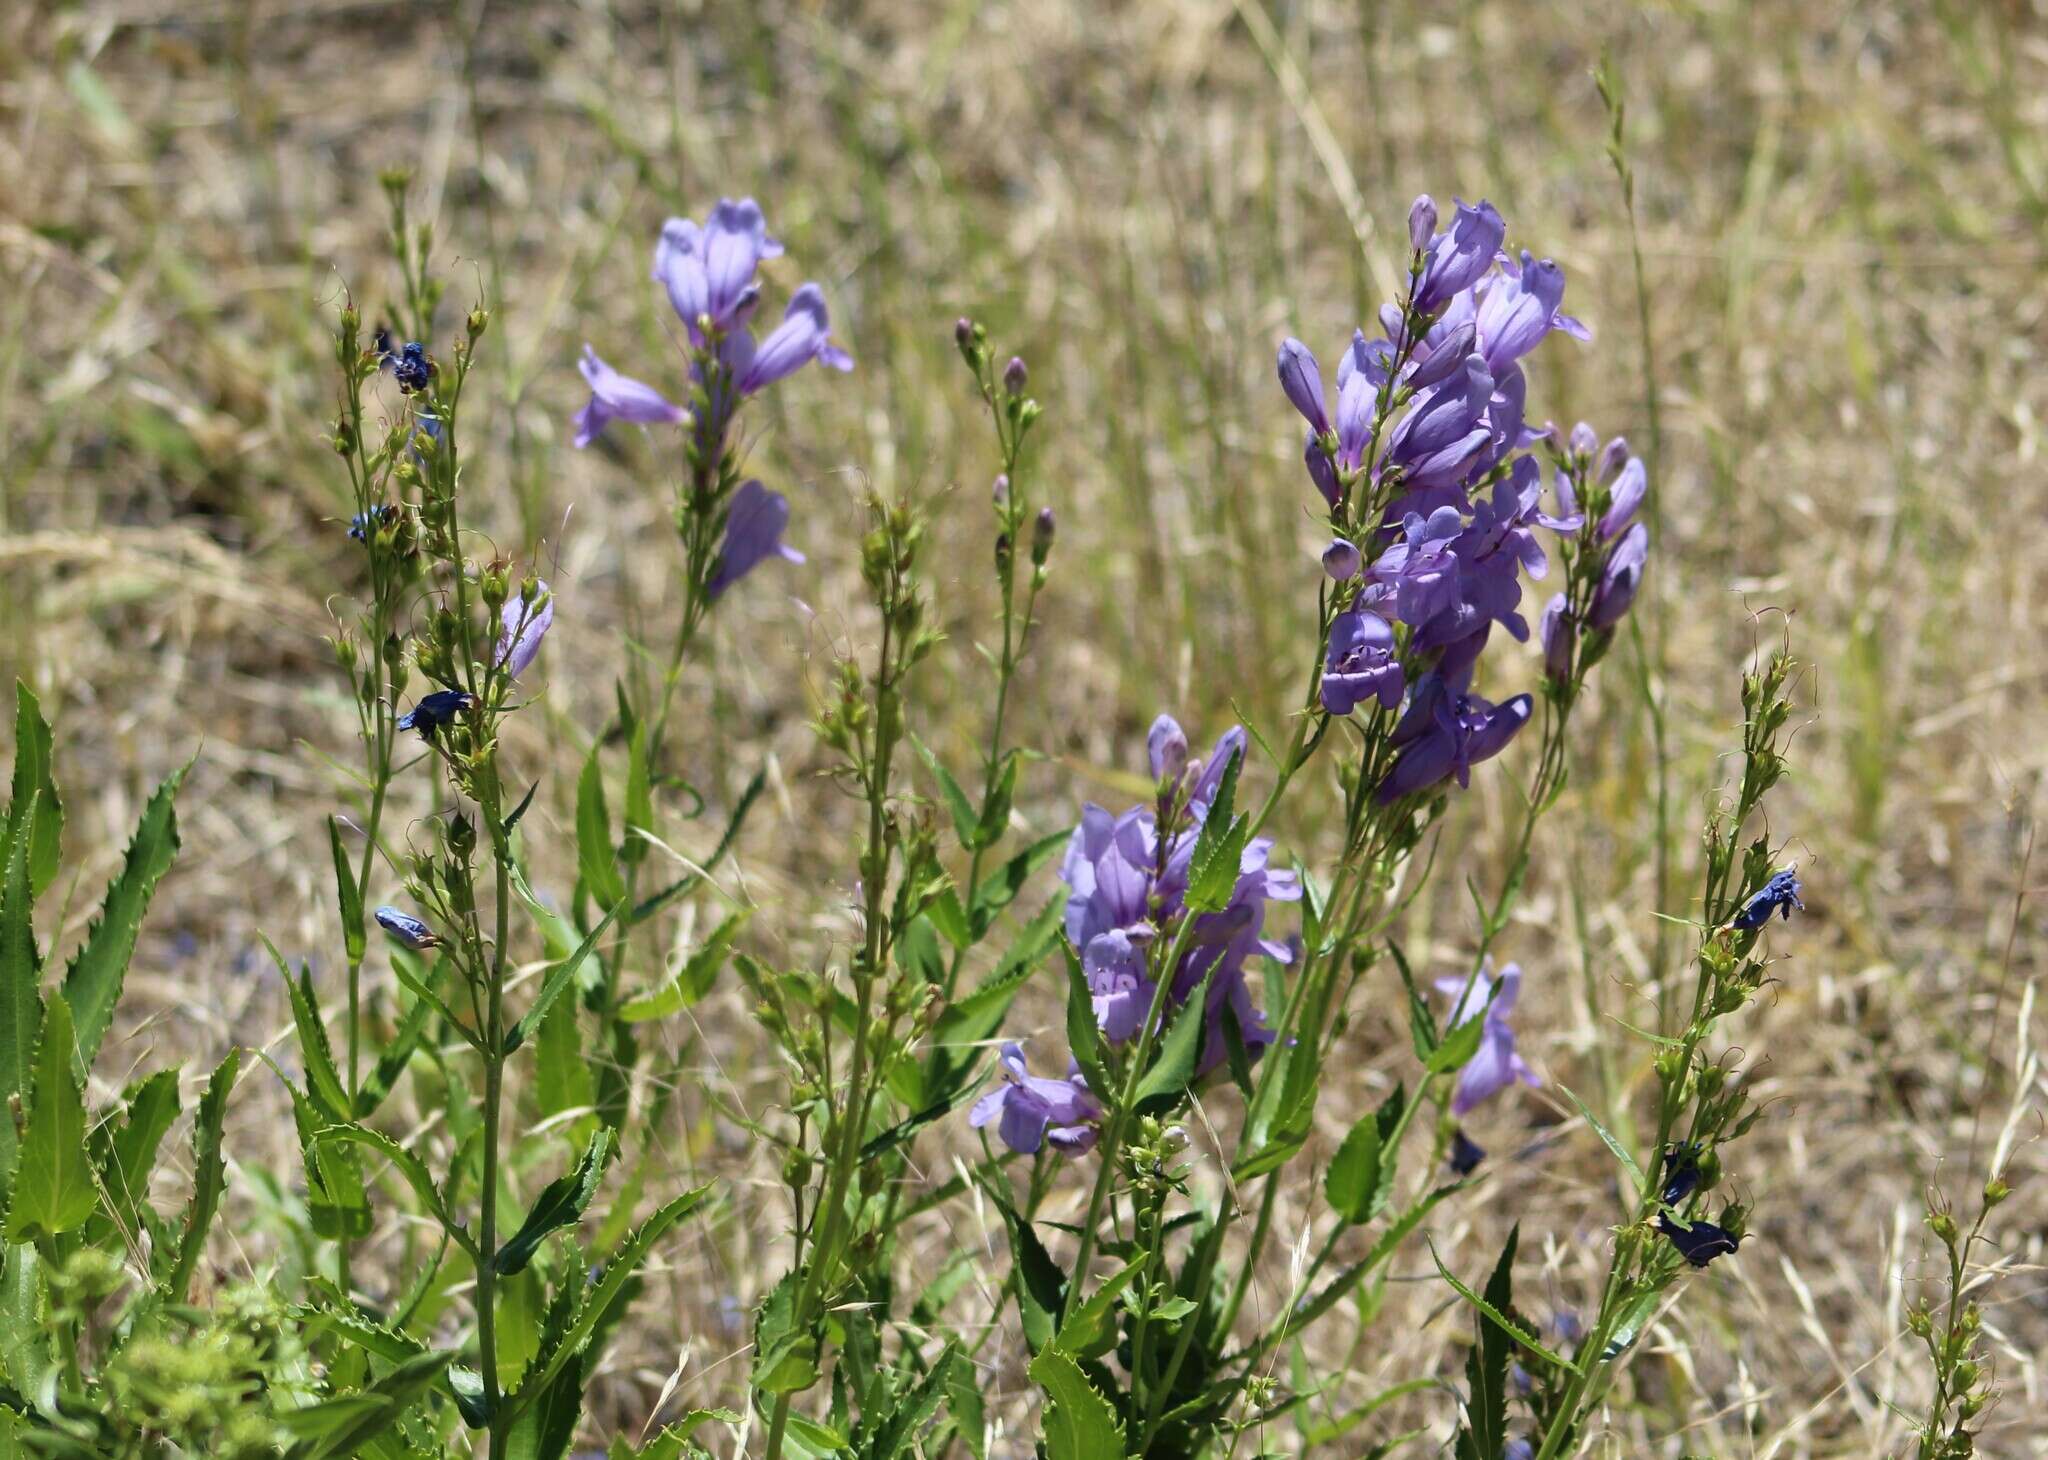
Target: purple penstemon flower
[[524, 626], [1445, 732], [709, 271], [1497, 1064], [1459, 255], [616, 397], [754, 525], [1619, 579], [803, 336], [1302, 380], [1031, 1111], [1361, 663], [1518, 307]]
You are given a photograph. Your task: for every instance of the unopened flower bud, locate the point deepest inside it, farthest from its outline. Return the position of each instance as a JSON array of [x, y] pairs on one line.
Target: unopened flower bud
[[963, 331], [1000, 492], [479, 321], [1996, 1191], [1341, 560], [1421, 222], [1041, 537], [1585, 440], [1014, 375]]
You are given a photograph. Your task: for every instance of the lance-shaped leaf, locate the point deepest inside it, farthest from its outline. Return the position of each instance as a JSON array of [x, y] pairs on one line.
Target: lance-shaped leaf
[[551, 987], [1168, 1077], [126, 1155], [559, 1204], [1361, 1175], [355, 934], [1219, 850], [348, 1423], [35, 813], [596, 857], [21, 1007], [53, 1185], [209, 1174], [1496, 1314], [92, 984], [1485, 1434], [693, 980]]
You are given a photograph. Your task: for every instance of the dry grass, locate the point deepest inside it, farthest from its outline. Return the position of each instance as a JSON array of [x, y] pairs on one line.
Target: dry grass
[[1843, 206]]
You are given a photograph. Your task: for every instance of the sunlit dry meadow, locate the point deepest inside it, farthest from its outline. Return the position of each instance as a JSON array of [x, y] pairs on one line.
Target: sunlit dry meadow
[[1842, 209]]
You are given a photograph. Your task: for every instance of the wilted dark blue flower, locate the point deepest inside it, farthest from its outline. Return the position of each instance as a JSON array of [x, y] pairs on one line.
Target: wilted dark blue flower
[[753, 531], [1700, 1243], [411, 368], [1465, 1154], [435, 710], [384, 514], [1779, 895], [1361, 663], [407, 929], [1681, 1173], [1031, 1110], [1446, 732], [1497, 1064]]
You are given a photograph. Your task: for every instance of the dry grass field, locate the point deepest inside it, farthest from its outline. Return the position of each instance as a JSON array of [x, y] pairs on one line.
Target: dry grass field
[[1843, 210]]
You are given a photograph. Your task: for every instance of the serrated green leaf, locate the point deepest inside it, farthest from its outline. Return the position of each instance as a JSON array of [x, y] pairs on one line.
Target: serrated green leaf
[[394, 1057], [785, 1354], [337, 1202], [353, 1326], [1494, 1315], [1164, 1083], [1455, 1050], [349, 897], [323, 1079], [1090, 1330], [995, 812], [1214, 866], [561, 1202], [950, 919], [1040, 1286], [693, 980], [409, 1166], [209, 1174], [639, 808], [21, 1007], [1628, 1162], [1079, 1422], [53, 1185], [27, 1352], [596, 858], [92, 984], [358, 1423], [1361, 1175], [894, 1434], [35, 812], [126, 1155], [1084, 1035], [966, 820]]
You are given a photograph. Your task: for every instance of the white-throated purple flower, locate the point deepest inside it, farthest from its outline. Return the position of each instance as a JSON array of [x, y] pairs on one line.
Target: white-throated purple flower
[[435, 710], [804, 335], [754, 525], [1341, 560], [616, 397], [1361, 664], [1445, 732], [1619, 579], [1779, 895], [1459, 255], [1302, 379], [1497, 1064], [709, 271], [407, 929], [523, 627], [1031, 1111]]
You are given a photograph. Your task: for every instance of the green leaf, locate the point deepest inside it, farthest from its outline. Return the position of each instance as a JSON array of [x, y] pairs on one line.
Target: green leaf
[[1000, 888], [27, 1350], [21, 1008], [562, 1073], [1456, 1049], [1485, 1435], [352, 1326], [1506, 1324], [966, 820], [323, 1080], [343, 1426], [126, 1156], [1628, 1162], [209, 1174], [544, 1431], [92, 984], [1090, 1330], [995, 812], [950, 919], [394, 1057], [1079, 1422], [355, 934], [917, 951], [35, 813], [1219, 850], [1166, 1080], [596, 859], [785, 1355], [53, 1185], [639, 809], [598, 1299], [409, 1166], [1084, 1035], [894, 1434], [557, 980], [560, 1203], [1040, 1286], [693, 980], [1361, 1175], [1634, 1314]]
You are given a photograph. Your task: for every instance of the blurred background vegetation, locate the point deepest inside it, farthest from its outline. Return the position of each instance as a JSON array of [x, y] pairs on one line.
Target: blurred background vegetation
[[1843, 213]]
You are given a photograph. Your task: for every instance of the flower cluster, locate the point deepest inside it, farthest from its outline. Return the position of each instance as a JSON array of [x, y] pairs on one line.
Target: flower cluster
[[1610, 551], [1433, 494], [709, 274]]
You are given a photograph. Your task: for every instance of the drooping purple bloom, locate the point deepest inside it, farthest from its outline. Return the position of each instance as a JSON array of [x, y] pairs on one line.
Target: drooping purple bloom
[[803, 336], [1619, 579], [616, 397], [1497, 1064], [1302, 379], [1459, 255], [709, 271], [435, 710], [754, 525], [1681, 1173], [1445, 732], [524, 626], [1361, 663], [407, 929], [1700, 1242], [1779, 895], [1032, 1110]]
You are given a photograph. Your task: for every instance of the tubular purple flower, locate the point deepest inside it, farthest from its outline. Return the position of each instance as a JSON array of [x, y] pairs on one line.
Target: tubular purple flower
[[1419, 570], [1031, 1110], [1620, 579], [709, 271], [803, 336], [1361, 663], [1518, 308], [1497, 1064], [1613, 456], [1341, 560], [1166, 747], [1321, 470], [1302, 379], [1445, 733], [1559, 636], [524, 626], [616, 397], [1629, 490], [1356, 398], [1421, 221], [1458, 256], [754, 525]]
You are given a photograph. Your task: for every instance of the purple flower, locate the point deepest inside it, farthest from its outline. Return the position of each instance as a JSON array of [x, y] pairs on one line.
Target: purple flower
[[1361, 663], [1779, 895], [435, 710], [1166, 748], [1421, 221], [1459, 255], [1518, 308], [618, 397], [525, 625], [709, 271], [1620, 579], [1446, 732], [1559, 636], [1420, 571], [407, 929], [1497, 1064], [1629, 490], [1031, 1110], [1121, 992], [1443, 435], [754, 524], [1302, 379], [803, 336], [1321, 470], [1341, 560]]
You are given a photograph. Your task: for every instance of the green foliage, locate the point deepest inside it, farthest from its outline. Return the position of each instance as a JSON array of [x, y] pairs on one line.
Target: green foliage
[[53, 1190]]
